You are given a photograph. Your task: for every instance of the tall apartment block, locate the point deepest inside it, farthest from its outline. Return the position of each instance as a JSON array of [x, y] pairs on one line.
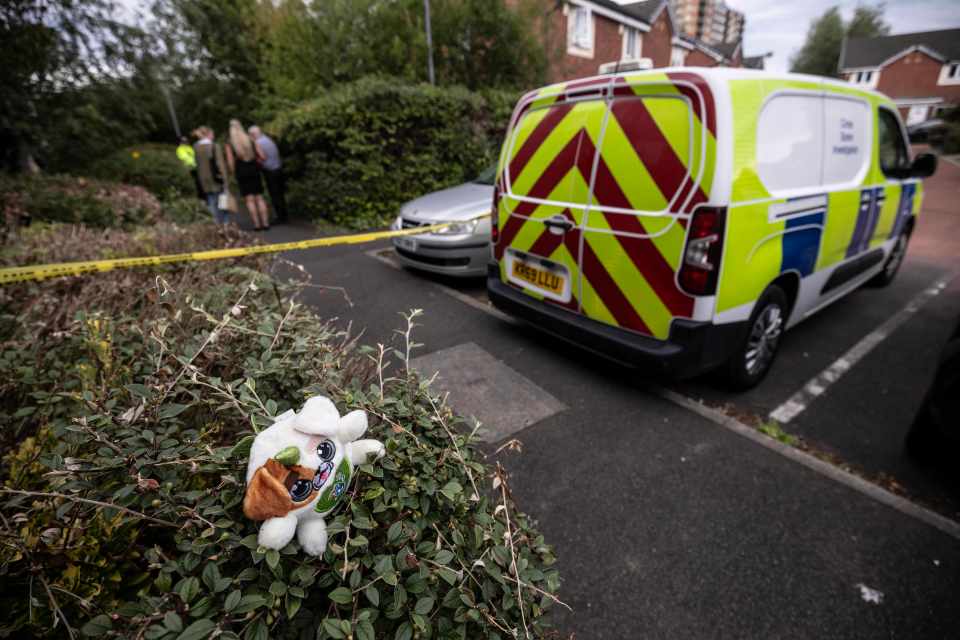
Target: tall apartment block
[[710, 21]]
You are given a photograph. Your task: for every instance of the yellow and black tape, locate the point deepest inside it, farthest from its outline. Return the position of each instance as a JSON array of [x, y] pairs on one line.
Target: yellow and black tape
[[10, 275]]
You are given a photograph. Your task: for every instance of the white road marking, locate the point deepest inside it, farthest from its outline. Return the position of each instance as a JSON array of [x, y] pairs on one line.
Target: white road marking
[[841, 476], [815, 387]]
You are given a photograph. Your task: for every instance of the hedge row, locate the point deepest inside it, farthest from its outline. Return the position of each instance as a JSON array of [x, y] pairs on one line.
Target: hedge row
[[354, 155], [124, 398]]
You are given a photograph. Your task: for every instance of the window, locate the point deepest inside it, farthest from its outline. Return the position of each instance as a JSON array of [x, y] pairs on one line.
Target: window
[[950, 73], [678, 57], [894, 160], [580, 30], [868, 78], [790, 142], [847, 140], [631, 42]]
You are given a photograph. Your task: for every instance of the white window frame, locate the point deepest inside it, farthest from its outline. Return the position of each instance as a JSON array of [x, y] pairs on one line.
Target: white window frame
[[949, 73], [580, 44], [626, 54], [678, 56], [867, 77]]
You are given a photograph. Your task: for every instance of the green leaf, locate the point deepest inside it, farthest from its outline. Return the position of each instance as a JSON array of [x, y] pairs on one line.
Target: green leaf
[[394, 532], [278, 588], [172, 621], [332, 627], [404, 632], [250, 603], [257, 631], [139, 390], [292, 606], [424, 605], [365, 631], [211, 575], [273, 557], [172, 410], [242, 449], [451, 490], [198, 630], [232, 600], [341, 595], [288, 456], [444, 556], [372, 595], [98, 626]]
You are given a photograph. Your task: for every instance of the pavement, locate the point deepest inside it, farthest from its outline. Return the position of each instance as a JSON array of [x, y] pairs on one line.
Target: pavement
[[666, 522]]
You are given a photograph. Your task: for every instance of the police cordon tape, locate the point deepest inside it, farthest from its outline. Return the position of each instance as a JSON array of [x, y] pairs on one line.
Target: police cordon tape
[[11, 275]]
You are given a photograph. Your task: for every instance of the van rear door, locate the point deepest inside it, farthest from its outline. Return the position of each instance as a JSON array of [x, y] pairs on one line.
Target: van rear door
[[636, 157]]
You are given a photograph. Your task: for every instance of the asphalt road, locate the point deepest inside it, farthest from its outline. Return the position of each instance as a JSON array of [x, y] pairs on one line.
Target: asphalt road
[[668, 525]]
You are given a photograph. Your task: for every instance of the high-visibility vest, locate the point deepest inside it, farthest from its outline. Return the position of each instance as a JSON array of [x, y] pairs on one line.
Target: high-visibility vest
[[186, 156]]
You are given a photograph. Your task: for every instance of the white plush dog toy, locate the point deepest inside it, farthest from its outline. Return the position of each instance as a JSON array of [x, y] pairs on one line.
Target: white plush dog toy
[[299, 468]]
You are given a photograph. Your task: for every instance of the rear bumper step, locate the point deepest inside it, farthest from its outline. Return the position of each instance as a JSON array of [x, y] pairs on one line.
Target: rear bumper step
[[692, 348]]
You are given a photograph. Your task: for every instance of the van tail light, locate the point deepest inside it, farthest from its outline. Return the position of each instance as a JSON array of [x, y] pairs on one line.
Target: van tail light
[[495, 215], [701, 257]]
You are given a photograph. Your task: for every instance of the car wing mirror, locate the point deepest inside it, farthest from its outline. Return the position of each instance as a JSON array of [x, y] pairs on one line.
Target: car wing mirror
[[924, 165]]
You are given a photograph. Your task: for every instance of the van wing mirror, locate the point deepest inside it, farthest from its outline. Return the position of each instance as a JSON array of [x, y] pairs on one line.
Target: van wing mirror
[[924, 166]]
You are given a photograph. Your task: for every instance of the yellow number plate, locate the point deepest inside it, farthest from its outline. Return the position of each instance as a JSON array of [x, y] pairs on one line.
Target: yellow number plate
[[546, 280]]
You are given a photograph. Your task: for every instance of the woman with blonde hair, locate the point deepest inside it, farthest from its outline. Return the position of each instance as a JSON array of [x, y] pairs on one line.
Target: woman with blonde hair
[[242, 158]]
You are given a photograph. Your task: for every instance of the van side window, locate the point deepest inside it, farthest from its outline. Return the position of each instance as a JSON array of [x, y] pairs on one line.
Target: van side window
[[848, 139], [790, 142], [894, 160]]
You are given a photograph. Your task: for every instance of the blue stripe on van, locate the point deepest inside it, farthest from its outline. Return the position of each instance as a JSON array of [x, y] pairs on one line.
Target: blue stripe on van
[[800, 247], [904, 209], [868, 215]]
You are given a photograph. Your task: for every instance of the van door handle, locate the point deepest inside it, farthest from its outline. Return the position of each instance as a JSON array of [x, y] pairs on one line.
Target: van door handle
[[558, 224]]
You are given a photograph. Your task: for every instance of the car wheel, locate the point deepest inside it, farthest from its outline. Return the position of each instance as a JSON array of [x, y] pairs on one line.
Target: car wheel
[[754, 357], [893, 263]]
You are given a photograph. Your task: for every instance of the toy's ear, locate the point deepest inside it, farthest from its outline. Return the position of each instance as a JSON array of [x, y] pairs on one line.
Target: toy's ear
[[353, 425], [266, 497]]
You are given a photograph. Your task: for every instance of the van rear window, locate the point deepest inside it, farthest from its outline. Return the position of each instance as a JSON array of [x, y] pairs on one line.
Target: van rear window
[[790, 142]]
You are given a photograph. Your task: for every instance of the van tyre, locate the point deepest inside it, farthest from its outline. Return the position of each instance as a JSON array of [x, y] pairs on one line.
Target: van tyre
[[894, 260], [754, 357]]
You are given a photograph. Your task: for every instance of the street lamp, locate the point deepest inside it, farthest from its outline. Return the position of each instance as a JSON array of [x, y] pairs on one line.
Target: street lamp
[[426, 13]]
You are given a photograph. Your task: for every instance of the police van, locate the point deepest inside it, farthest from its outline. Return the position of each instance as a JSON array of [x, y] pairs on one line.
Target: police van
[[682, 219]]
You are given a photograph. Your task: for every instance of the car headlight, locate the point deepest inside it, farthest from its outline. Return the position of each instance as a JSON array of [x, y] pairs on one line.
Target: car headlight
[[459, 228], [397, 224]]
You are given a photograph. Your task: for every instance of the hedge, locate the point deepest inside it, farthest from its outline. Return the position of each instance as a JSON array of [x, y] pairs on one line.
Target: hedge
[[128, 402], [354, 155], [152, 166]]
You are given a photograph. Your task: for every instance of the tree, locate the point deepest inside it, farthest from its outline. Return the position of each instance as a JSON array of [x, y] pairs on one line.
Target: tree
[[49, 51], [820, 53]]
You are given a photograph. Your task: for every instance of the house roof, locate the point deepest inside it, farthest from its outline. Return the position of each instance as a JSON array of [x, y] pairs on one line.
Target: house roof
[[727, 49], [647, 10], [872, 52], [753, 62]]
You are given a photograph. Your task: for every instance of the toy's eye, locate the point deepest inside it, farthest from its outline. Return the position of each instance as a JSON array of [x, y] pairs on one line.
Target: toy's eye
[[300, 490], [326, 450]]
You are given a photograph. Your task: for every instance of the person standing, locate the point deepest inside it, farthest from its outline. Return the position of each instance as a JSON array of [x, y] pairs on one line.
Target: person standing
[[242, 158], [211, 170], [272, 168], [188, 158]]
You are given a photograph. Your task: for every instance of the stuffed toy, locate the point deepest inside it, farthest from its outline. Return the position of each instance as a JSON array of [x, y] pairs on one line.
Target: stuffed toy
[[300, 468]]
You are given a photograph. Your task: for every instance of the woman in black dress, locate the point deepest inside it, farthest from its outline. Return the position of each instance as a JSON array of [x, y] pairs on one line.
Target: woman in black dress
[[242, 158]]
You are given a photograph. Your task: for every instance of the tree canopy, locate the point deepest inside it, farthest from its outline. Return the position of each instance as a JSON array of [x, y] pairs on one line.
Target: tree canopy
[[820, 53]]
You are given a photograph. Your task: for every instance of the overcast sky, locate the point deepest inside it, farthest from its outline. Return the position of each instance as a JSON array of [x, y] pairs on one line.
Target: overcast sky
[[780, 26]]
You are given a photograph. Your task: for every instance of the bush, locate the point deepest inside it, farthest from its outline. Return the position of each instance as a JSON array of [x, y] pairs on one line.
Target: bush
[[93, 203], [154, 167], [76, 200], [356, 154], [121, 506]]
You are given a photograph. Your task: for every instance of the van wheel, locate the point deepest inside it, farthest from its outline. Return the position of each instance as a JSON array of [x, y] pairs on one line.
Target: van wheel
[[752, 360], [892, 265]]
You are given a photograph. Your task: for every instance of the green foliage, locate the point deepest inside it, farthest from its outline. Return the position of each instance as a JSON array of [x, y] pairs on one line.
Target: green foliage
[[138, 409], [154, 167], [356, 154], [76, 200], [775, 431], [820, 53], [477, 43]]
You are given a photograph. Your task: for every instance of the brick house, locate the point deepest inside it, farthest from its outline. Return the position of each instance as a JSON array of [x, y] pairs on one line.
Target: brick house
[[581, 35], [919, 71]]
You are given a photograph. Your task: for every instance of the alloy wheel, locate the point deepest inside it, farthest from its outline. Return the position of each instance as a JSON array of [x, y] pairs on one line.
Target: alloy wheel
[[764, 338]]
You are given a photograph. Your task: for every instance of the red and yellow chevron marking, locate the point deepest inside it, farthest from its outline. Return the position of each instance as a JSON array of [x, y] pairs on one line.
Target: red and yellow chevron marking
[[639, 156]]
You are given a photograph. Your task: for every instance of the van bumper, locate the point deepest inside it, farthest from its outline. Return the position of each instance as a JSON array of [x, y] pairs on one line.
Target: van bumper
[[692, 347]]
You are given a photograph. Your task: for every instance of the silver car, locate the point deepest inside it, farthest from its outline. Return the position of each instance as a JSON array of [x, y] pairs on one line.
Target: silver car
[[463, 248]]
